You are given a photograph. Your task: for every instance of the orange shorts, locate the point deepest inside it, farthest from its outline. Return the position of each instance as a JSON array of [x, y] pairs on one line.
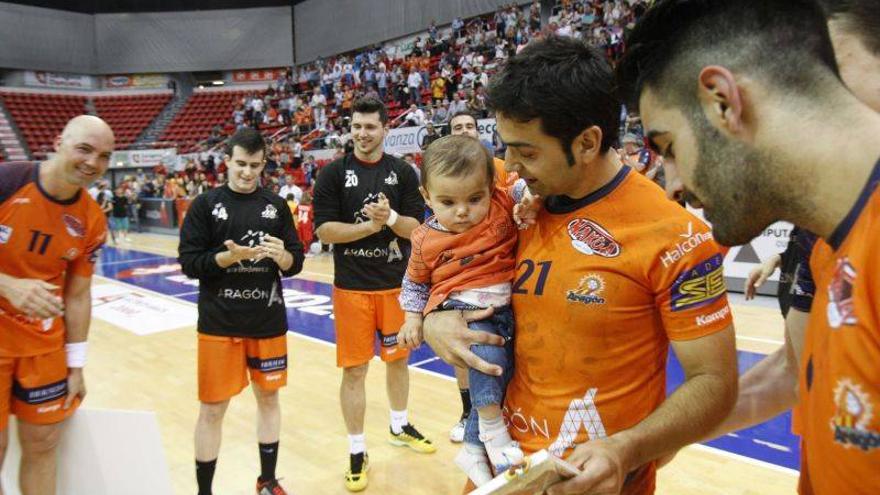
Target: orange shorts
[[34, 388], [360, 318], [225, 362]]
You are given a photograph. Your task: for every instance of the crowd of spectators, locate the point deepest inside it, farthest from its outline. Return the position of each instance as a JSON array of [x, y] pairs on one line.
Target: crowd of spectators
[[441, 73]]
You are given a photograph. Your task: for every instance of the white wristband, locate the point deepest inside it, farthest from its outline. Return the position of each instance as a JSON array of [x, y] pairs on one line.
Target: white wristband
[[392, 218], [76, 354]]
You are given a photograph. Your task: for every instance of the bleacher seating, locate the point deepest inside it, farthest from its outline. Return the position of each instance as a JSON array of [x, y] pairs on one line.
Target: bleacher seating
[[129, 115], [41, 117], [201, 113]]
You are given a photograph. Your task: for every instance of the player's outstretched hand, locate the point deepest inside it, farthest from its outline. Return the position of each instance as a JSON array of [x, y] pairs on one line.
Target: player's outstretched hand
[[760, 274], [448, 334], [36, 298]]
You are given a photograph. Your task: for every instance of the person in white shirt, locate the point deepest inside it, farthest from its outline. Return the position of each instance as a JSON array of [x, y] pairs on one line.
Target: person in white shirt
[[319, 102], [290, 188], [414, 82]]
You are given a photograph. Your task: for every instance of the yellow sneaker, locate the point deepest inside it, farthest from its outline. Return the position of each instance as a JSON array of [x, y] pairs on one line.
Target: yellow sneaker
[[356, 476], [410, 437]]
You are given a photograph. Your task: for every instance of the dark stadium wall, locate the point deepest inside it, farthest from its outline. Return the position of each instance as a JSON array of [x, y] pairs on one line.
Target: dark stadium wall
[[194, 41], [47, 40], [40, 39], [327, 27]]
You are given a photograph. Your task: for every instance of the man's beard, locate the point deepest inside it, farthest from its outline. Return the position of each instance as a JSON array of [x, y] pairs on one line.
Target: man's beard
[[733, 184]]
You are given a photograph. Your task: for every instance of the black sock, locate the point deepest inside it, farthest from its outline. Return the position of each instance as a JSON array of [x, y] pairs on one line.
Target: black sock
[[205, 475], [268, 460], [465, 401]]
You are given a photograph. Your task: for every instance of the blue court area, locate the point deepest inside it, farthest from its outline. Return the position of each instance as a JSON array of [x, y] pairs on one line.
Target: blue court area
[[310, 313]]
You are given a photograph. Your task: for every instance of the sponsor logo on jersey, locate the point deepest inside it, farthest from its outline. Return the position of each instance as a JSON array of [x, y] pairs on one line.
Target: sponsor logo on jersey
[[5, 233], [841, 307], [713, 317], [691, 242], [244, 294], [252, 238], [590, 238], [219, 212], [21, 201], [854, 412], [589, 290], [267, 365], [75, 227], [699, 285], [270, 212], [391, 180], [391, 253]]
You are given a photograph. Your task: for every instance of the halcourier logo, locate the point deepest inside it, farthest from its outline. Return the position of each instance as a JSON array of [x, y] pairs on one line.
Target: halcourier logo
[[691, 242]]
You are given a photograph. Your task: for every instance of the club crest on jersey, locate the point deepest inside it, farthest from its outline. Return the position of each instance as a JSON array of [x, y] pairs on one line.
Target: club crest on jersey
[[853, 414], [699, 285], [841, 307], [5, 233], [270, 212], [219, 212], [391, 180], [75, 227], [71, 254], [590, 238], [589, 290]]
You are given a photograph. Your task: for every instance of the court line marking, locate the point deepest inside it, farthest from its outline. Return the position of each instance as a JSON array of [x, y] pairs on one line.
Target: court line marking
[[745, 459], [167, 254], [760, 339], [721, 452], [426, 361], [122, 262]]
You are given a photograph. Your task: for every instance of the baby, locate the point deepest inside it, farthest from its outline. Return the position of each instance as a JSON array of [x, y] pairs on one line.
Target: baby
[[463, 258]]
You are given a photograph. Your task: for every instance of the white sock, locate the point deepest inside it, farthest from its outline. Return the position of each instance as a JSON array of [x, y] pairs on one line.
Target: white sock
[[398, 421], [495, 430], [357, 444]]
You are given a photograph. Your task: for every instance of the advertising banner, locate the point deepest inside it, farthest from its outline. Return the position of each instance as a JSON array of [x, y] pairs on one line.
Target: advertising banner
[[57, 80], [144, 158]]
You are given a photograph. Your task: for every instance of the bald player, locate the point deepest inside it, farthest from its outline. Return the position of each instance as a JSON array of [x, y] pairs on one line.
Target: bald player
[[50, 232]]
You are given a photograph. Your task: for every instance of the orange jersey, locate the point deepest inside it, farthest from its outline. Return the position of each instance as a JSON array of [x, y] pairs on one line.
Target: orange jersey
[[603, 284], [502, 177], [480, 257], [840, 378], [42, 238]]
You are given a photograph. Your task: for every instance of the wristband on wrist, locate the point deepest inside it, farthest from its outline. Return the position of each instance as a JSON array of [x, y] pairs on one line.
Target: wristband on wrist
[[76, 354], [392, 218]]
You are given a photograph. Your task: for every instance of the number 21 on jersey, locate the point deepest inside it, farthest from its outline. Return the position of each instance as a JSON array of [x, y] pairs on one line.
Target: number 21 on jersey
[[523, 285]]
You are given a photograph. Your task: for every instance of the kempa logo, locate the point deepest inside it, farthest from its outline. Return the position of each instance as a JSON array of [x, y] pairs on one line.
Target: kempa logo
[[692, 242], [710, 318]]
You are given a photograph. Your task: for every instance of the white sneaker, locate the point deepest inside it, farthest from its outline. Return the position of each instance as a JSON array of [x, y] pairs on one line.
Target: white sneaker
[[456, 434], [473, 461]]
